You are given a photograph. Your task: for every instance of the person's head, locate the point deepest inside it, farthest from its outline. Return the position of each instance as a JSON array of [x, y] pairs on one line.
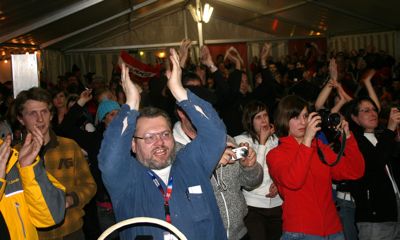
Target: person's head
[[33, 109], [255, 117], [365, 114], [153, 142], [106, 112], [291, 117], [191, 79], [244, 84], [186, 124], [59, 97]]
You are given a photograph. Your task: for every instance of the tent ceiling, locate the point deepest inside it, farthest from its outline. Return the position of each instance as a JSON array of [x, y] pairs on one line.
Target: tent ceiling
[[69, 24]]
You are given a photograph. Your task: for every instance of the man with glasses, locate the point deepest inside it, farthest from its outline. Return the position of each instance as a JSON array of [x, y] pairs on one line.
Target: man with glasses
[[156, 180]]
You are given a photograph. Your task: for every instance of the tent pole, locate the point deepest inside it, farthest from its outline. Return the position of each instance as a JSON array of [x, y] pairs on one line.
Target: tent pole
[[200, 30]]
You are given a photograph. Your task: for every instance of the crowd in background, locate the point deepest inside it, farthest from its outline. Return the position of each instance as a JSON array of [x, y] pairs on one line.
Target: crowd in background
[[83, 107]]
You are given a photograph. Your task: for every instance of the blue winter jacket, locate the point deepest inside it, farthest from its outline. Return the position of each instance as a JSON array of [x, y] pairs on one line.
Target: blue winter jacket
[[133, 192]]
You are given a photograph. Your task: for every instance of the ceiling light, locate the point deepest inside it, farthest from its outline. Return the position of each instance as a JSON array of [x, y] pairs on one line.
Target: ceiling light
[[201, 14]]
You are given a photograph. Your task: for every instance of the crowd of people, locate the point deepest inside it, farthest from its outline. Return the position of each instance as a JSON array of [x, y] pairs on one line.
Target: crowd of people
[[321, 133]]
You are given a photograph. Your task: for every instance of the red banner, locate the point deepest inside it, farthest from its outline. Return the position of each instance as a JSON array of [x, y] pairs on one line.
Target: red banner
[[140, 70]]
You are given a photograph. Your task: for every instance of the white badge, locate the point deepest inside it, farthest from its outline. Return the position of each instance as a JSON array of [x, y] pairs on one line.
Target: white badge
[[169, 236]]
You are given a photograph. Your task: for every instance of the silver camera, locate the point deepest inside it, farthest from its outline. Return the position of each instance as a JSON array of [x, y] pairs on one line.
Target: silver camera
[[240, 152]]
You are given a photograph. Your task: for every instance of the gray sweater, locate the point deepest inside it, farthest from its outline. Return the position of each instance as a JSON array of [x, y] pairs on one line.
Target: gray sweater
[[227, 182]]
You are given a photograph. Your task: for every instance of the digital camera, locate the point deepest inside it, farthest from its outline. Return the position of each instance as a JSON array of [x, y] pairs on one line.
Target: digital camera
[[329, 120], [240, 152]]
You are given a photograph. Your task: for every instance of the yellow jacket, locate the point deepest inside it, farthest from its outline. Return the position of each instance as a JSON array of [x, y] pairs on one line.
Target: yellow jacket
[[29, 198]]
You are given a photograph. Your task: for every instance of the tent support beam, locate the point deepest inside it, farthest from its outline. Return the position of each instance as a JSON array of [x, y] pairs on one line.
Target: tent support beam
[[127, 11], [153, 11], [50, 18], [175, 44]]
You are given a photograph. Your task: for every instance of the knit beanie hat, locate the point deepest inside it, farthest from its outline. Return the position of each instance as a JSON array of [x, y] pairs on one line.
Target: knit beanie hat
[[105, 107]]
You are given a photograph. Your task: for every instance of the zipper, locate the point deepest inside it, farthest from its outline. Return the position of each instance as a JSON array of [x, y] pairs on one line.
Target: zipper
[[20, 219]]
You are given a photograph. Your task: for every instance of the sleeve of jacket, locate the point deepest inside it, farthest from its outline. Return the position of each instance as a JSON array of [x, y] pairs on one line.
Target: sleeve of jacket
[[290, 169], [210, 142], [351, 165], [85, 186], [44, 195], [115, 159], [251, 177], [2, 187]]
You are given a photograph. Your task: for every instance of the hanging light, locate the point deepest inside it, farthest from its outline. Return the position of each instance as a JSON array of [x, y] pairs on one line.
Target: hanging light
[[208, 10], [201, 14]]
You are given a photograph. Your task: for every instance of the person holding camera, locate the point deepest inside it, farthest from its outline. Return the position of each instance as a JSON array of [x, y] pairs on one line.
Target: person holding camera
[[303, 180]]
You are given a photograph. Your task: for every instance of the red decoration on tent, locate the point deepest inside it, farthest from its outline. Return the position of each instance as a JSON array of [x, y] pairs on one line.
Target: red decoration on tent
[[275, 24], [140, 70]]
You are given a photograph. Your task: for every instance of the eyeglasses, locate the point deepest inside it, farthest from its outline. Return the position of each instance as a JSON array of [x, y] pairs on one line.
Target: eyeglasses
[[150, 138], [367, 110]]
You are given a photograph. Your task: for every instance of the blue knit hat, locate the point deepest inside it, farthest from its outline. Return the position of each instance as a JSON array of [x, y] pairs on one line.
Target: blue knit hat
[[105, 107]]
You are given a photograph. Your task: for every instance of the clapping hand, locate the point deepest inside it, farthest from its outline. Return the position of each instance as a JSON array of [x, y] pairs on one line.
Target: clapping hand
[[130, 89], [4, 155], [31, 147]]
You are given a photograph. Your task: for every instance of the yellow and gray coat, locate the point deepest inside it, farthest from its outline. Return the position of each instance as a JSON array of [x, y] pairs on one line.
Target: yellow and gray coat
[[30, 198]]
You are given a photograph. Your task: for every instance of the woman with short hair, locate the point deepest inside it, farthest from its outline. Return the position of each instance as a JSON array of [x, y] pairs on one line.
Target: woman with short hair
[[303, 180]]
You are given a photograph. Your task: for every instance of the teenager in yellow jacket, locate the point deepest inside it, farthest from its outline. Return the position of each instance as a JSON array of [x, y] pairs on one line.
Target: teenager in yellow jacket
[[30, 198]]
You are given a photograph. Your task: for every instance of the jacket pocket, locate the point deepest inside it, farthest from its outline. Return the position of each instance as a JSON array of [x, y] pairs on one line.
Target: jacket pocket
[[200, 207]]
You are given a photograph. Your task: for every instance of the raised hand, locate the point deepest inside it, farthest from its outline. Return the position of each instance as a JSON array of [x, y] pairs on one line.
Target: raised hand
[[183, 51], [85, 97], [205, 56], [313, 126], [31, 147], [333, 69], [227, 155], [131, 91], [174, 78], [265, 133], [394, 119], [5, 150], [251, 157], [265, 51]]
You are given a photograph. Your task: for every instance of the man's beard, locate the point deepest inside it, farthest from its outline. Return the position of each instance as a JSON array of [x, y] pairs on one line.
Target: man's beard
[[155, 164]]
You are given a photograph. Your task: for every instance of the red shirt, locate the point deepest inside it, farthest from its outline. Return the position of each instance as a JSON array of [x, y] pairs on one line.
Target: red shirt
[[305, 183]]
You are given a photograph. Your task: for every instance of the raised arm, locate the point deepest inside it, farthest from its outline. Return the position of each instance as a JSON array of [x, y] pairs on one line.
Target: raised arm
[[327, 89], [366, 80], [174, 79], [206, 59], [115, 160], [43, 194], [131, 91], [265, 52], [184, 52], [234, 57]]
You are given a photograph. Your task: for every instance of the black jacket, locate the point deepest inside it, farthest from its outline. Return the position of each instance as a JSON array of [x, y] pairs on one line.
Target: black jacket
[[373, 193]]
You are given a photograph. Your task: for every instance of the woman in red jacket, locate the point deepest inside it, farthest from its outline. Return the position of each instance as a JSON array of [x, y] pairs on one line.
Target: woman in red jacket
[[303, 180]]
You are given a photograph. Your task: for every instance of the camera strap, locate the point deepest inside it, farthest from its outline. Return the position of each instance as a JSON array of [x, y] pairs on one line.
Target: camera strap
[[339, 155]]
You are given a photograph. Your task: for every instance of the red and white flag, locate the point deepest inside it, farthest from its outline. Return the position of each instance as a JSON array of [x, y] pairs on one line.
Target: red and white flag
[[140, 70]]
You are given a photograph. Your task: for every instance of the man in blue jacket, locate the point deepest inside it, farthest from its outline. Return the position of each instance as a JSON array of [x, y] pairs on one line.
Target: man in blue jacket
[[156, 181]]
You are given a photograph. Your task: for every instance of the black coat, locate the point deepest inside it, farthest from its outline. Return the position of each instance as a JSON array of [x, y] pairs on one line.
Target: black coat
[[373, 193]]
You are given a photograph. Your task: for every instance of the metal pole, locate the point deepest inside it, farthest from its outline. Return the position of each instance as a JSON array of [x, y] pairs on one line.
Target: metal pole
[[200, 30]]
